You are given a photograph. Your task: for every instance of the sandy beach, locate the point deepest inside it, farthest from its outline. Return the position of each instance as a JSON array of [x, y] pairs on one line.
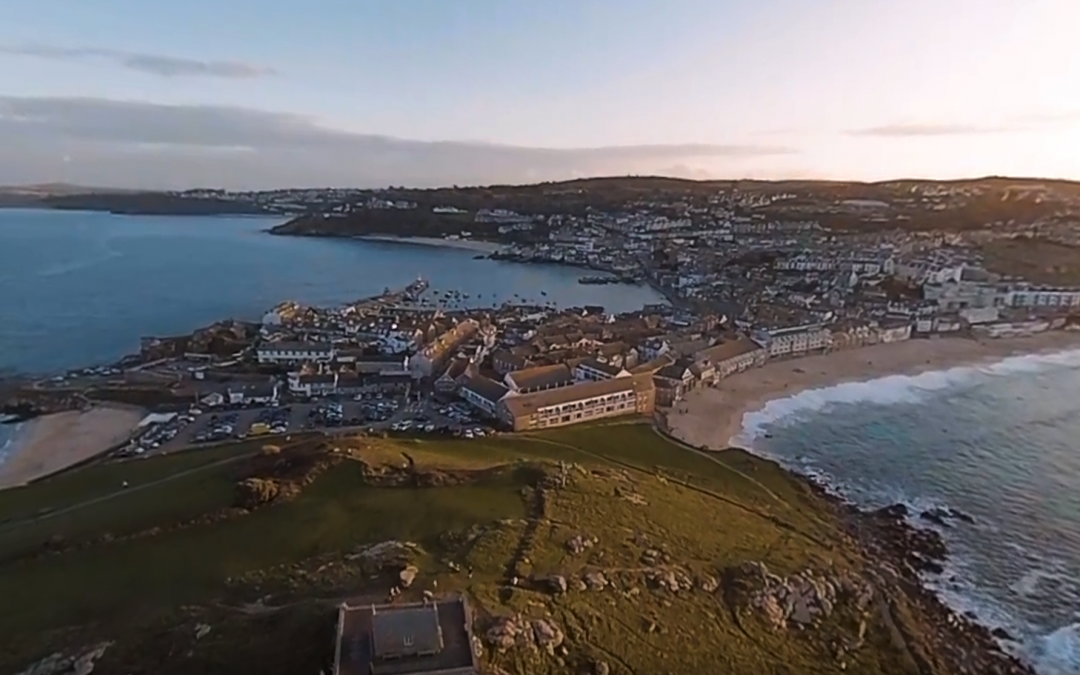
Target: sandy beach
[[464, 244], [55, 442], [712, 417]]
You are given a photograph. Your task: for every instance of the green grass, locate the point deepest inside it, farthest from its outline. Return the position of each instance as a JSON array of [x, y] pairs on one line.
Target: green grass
[[709, 513], [98, 480]]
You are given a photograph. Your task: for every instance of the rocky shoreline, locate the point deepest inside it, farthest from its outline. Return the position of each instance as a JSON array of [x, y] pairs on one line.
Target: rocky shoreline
[[903, 554]]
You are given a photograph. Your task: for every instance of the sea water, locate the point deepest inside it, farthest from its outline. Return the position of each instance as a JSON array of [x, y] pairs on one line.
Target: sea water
[[1000, 443], [82, 288]]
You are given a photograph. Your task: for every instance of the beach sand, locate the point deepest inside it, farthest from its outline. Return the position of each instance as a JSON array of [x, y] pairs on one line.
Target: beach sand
[[465, 244], [57, 441], [712, 417]]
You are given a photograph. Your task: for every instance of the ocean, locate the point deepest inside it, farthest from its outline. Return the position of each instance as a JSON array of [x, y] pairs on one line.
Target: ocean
[[81, 288], [1000, 443]]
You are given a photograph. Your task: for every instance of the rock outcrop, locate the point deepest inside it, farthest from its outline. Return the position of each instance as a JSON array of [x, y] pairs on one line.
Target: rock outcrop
[[800, 600], [68, 664], [517, 632]]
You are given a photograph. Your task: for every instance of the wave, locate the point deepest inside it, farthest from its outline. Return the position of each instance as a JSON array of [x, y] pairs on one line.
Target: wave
[[1058, 653], [892, 389], [1050, 650], [9, 435]]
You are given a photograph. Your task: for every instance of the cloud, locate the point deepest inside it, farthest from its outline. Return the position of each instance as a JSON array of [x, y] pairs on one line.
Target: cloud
[[913, 129], [136, 144], [154, 64], [1014, 124]]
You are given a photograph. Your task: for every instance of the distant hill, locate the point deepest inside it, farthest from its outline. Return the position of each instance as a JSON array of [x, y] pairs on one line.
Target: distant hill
[[42, 190]]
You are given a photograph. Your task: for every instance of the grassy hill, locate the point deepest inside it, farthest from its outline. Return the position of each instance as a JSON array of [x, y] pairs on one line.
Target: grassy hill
[[648, 556]]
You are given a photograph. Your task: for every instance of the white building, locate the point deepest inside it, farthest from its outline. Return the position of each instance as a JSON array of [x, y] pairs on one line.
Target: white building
[[795, 341], [594, 370], [295, 352], [1035, 297]]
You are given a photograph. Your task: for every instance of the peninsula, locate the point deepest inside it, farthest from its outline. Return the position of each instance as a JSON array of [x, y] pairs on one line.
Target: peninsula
[[553, 488]]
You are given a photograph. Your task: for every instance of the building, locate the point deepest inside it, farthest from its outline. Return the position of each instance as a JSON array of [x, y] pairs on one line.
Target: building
[[249, 394], [483, 393], [411, 639], [594, 370], [382, 364], [294, 353], [539, 378], [455, 375], [348, 383], [1035, 297], [582, 402], [795, 341], [672, 382], [730, 357], [434, 355]]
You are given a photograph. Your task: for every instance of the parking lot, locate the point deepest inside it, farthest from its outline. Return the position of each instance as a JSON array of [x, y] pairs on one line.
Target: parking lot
[[429, 417], [370, 413]]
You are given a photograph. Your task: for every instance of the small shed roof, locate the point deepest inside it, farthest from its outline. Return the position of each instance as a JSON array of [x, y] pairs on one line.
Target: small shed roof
[[403, 632]]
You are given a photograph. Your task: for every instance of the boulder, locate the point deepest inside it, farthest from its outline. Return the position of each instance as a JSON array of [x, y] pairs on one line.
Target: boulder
[[547, 634], [596, 581], [557, 583], [578, 544], [408, 575]]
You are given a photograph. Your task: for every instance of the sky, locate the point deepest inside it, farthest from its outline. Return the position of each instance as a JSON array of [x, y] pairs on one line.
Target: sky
[[250, 94]]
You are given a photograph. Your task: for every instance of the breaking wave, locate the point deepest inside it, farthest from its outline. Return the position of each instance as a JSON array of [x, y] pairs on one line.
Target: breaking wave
[[891, 389], [1033, 574]]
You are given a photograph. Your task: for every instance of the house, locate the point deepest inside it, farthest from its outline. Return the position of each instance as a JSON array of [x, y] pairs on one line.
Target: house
[[409, 639], [435, 353], [505, 361], [672, 382], [315, 384], [593, 369], [348, 383], [247, 394], [582, 402], [897, 331], [459, 370], [539, 378], [383, 364], [483, 393], [293, 353], [730, 357], [795, 341], [619, 354]]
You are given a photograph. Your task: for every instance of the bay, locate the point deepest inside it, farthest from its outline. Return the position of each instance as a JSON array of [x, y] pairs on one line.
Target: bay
[[79, 288]]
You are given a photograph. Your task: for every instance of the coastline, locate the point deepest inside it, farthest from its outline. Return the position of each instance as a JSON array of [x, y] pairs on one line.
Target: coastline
[[462, 244], [905, 553], [55, 442], [713, 418]]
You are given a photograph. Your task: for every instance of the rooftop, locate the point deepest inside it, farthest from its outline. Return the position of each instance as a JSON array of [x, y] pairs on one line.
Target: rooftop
[[485, 387], [527, 404], [541, 377], [409, 639], [288, 346]]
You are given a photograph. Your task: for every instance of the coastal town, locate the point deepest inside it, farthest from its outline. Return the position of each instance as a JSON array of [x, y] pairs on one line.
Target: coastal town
[[768, 290], [749, 280]]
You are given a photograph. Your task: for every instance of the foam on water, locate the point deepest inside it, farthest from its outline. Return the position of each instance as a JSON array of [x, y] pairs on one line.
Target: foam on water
[[9, 434], [891, 389], [1058, 653], [1053, 653]]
